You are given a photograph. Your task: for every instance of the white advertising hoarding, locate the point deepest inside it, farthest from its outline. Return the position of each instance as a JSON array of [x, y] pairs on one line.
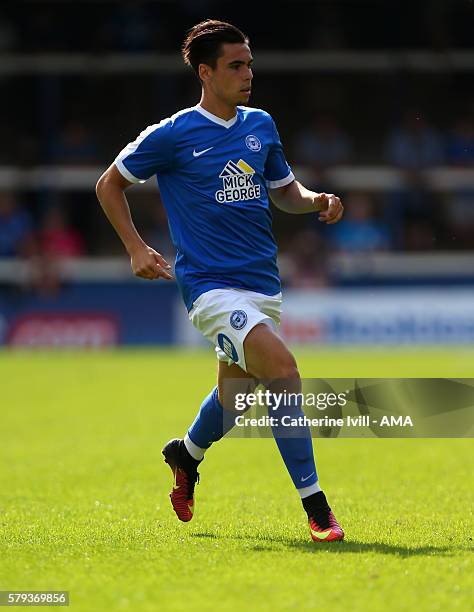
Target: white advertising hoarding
[[369, 316], [379, 316]]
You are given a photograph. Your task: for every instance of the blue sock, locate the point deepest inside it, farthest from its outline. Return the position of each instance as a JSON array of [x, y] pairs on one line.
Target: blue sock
[[296, 449], [211, 423], [294, 444]]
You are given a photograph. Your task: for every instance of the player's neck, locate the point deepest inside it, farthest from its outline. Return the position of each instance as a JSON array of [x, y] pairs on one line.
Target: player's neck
[[217, 107]]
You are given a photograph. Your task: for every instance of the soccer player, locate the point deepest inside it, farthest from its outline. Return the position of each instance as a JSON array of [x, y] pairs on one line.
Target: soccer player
[[217, 163]]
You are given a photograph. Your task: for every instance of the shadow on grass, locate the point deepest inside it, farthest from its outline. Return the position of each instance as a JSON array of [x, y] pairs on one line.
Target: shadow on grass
[[267, 543]]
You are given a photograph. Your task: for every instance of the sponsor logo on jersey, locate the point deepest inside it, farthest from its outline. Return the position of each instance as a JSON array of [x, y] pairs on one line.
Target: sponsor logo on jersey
[[237, 183], [238, 319], [253, 143]]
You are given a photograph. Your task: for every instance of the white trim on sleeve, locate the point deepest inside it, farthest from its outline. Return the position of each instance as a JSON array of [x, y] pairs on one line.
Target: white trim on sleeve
[[126, 173], [282, 182]]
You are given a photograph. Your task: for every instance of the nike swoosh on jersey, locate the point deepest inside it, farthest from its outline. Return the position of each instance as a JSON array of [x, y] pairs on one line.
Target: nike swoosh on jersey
[[198, 153]]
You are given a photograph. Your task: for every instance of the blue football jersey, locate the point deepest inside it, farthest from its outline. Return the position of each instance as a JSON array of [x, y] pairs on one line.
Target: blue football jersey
[[213, 177]]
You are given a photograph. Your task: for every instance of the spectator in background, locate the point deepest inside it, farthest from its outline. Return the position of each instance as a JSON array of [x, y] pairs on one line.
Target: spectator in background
[[359, 231], [323, 144], [57, 239], [16, 228], [414, 145], [459, 205], [307, 265], [76, 145], [460, 143], [459, 211]]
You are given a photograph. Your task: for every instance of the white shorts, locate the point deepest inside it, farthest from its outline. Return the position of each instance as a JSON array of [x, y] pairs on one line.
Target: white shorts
[[225, 317]]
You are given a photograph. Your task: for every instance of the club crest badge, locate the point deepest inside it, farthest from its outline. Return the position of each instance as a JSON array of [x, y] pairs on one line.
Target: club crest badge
[[238, 319], [253, 143]]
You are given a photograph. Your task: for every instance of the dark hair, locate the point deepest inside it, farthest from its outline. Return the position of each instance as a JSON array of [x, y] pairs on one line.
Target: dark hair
[[202, 44]]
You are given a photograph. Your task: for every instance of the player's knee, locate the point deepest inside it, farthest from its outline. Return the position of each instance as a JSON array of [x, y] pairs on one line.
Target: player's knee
[[284, 369], [287, 372], [267, 357]]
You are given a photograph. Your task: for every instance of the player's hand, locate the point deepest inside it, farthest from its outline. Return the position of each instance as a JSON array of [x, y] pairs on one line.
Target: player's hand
[[330, 207], [148, 263]]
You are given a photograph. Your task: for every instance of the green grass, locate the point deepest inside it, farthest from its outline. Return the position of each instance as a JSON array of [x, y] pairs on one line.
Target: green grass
[[84, 494]]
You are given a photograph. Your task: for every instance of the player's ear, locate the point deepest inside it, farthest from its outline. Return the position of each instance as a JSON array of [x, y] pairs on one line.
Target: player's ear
[[205, 72]]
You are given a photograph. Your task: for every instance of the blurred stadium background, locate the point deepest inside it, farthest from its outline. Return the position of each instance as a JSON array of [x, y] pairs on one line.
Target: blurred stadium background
[[374, 101]]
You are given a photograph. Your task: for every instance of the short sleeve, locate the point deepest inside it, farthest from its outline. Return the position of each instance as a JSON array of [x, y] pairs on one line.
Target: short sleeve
[[151, 153], [277, 172]]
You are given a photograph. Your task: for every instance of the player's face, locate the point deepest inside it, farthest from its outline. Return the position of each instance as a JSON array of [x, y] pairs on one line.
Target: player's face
[[231, 79]]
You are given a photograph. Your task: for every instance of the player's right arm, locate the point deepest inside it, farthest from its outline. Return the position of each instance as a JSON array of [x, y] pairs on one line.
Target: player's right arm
[[145, 261]]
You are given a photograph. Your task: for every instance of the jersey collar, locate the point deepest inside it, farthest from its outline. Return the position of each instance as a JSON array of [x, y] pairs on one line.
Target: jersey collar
[[227, 124]]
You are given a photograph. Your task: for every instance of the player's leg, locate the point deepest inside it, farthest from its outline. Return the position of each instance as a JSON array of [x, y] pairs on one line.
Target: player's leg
[[226, 375], [211, 423], [215, 416], [209, 315], [268, 359]]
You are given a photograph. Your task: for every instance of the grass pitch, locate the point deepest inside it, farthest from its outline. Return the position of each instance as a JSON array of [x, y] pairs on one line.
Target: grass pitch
[[84, 494]]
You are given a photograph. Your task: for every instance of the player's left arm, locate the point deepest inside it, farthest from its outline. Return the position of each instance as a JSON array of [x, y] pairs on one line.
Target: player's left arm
[[294, 198]]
